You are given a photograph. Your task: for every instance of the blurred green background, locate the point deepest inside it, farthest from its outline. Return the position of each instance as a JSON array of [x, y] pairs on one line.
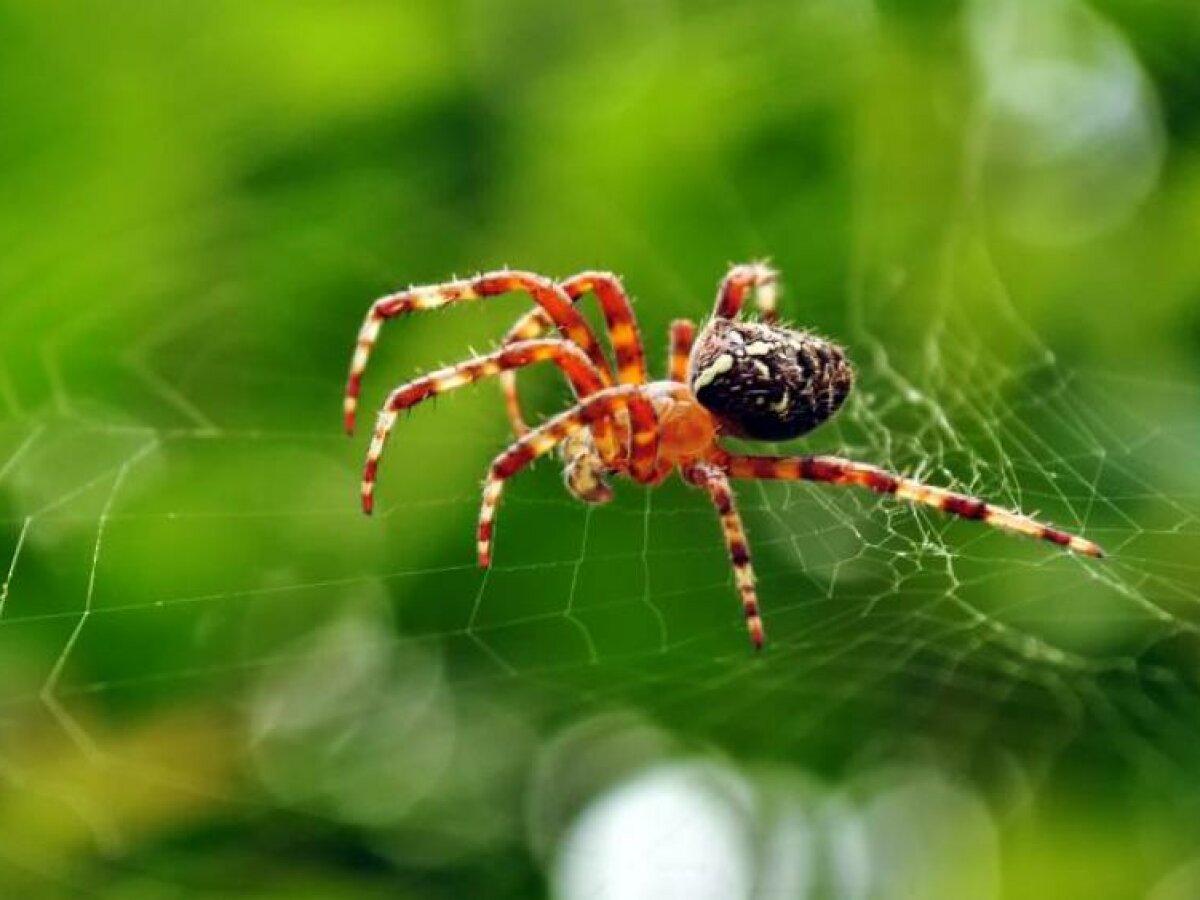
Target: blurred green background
[[217, 678]]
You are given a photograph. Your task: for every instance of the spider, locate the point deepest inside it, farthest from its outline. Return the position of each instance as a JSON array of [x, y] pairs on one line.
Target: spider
[[756, 380]]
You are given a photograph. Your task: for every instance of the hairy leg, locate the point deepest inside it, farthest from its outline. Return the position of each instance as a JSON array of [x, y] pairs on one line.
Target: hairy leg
[[584, 378], [557, 306], [610, 403], [737, 286], [624, 336], [683, 335], [531, 325], [623, 333], [717, 486], [834, 470]]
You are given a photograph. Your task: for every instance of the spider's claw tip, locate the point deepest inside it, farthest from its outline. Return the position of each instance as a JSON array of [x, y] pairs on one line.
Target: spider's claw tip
[[1085, 547], [757, 637]]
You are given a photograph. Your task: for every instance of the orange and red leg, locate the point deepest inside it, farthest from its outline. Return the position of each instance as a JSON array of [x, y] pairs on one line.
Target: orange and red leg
[[611, 403], [551, 299], [584, 378], [531, 325], [628, 350], [717, 486], [742, 281], [623, 333], [834, 470], [683, 336]]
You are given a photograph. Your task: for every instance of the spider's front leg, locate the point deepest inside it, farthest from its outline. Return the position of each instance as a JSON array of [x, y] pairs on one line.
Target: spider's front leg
[[609, 404], [531, 325], [628, 351], [717, 486], [584, 378], [834, 470], [619, 319], [552, 300]]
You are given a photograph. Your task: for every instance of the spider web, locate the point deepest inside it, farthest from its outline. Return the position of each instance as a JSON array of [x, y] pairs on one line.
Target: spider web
[[188, 592], [222, 560]]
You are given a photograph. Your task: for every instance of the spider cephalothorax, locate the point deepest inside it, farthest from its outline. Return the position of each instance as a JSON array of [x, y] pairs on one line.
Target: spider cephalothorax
[[752, 380], [765, 382]]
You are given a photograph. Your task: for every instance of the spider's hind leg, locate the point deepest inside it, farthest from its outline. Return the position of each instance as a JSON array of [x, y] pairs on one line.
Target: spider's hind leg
[[837, 471], [742, 281]]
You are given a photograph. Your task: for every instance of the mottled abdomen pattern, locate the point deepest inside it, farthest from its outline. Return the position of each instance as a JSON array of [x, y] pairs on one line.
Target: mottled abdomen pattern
[[768, 383]]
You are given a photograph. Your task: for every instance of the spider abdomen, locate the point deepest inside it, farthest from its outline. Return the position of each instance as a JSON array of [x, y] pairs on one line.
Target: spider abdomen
[[768, 383]]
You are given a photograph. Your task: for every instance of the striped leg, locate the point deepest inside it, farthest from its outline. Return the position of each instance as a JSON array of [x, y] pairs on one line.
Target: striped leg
[[683, 335], [713, 481], [834, 470], [584, 377], [549, 297], [741, 280], [622, 327], [609, 403], [630, 357], [531, 325], [623, 332]]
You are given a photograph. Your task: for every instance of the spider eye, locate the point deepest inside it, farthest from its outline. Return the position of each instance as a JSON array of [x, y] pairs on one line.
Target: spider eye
[[768, 383]]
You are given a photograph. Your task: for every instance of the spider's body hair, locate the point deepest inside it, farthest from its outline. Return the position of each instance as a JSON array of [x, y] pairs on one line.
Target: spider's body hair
[[765, 382]]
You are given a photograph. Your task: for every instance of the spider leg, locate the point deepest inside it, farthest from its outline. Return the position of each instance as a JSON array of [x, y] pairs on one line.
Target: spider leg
[[683, 335], [622, 327], [584, 377], [738, 283], [713, 481], [611, 402], [531, 325], [548, 295], [834, 470]]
